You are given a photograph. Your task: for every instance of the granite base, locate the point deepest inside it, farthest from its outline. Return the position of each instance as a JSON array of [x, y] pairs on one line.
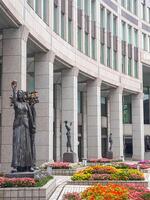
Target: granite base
[[70, 157]]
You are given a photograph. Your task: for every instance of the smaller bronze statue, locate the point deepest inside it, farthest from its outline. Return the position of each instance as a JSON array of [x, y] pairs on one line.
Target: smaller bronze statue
[[68, 134], [147, 143], [109, 152], [110, 142]]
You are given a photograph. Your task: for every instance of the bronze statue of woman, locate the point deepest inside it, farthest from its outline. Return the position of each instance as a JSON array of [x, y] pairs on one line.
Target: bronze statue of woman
[[68, 136], [22, 154], [110, 142]]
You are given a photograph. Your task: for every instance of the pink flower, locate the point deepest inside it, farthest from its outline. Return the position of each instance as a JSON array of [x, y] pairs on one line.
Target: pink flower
[[59, 165]]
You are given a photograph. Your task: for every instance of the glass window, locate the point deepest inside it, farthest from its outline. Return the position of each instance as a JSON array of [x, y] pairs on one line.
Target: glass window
[[108, 57], [149, 15], [135, 38], [123, 31], [135, 69], [103, 106], [115, 60], [144, 41], [62, 25], [86, 43], [129, 34], [56, 24], [129, 5], [93, 48], [114, 25], [129, 66], [79, 3], [86, 7], [108, 21], [102, 54], [146, 102], [79, 102], [135, 7], [123, 63], [123, 3], [102, 17], [45, 10], [79, 39], [143, 11], [36, 6], [30, 3], [30, 74], [70, 31], [127, 109], [93, 10]]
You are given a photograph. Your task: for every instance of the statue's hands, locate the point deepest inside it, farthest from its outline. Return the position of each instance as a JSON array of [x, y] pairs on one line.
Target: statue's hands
[[33, 130], [14, 85]]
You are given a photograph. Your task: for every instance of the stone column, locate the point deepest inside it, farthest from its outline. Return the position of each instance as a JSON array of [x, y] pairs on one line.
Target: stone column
[[94, 119], [84, 119], [57, 120], [70, 107], [116, 122], [14, 68], [138, 126], [44, 86]]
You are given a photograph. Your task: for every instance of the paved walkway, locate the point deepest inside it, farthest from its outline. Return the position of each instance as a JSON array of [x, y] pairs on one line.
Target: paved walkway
[[60, 183], [62, 187], [72, 188]]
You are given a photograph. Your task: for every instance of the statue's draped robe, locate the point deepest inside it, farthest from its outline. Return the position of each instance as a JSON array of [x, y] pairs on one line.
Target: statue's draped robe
[[22, 155]]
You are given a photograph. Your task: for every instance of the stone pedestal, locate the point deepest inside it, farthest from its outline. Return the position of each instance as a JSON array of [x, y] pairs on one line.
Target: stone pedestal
[[38, 174], [70, 157], [22, 174], [109, 154]]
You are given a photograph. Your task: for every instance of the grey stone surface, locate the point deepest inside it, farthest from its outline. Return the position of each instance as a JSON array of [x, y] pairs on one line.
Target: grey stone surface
[[110, 155], [70, 157], [23, 174]]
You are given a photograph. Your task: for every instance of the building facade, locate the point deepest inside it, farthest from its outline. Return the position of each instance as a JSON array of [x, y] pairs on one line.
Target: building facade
[[90, 62]]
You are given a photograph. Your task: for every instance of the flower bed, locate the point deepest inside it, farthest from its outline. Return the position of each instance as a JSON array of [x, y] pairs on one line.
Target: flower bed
[[72, 196], [107, 173], [111, 192], [17, 182], [62, 168], [28, 192], [23, 182], [102, 160], [124, 165], [59, 165], [108, 192]]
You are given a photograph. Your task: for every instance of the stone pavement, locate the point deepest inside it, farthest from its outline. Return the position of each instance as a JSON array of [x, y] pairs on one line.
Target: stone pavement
[[60, 183], [62, 187], [72, 188]]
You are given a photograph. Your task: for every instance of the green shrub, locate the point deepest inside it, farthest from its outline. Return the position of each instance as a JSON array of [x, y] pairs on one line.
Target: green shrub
[[43, 181], [146, 196]]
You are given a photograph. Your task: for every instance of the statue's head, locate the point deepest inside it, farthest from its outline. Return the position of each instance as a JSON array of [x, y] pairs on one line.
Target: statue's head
[[65, 122], [20, 95]]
